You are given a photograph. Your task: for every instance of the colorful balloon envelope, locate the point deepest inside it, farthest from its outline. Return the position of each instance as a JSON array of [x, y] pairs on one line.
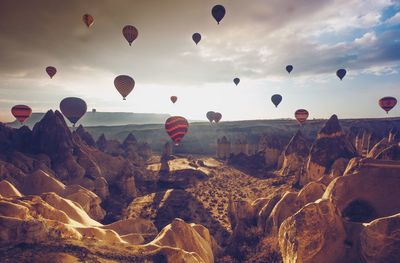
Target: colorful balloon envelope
[[276, 99], [124, 84], [88, 20], [51, 71], [21, 112], [130, 33], [236, 81], [176, 127], [210, 116], [73, 109], [196, 38], [174, 99], [217, 117], [301, 115], [218, 12], [289, 68], [387, 103], [341, 73]]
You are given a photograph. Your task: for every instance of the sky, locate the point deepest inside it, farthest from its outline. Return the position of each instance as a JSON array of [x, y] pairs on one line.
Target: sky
[[254, 42]]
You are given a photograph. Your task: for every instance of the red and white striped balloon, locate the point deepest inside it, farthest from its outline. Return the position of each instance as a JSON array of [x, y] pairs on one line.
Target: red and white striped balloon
[[21, 112], [176, 127], [51, 71], [130, 33], [124, 84]]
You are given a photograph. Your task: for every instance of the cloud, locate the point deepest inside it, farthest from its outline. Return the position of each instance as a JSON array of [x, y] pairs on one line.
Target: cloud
[[255, 41]]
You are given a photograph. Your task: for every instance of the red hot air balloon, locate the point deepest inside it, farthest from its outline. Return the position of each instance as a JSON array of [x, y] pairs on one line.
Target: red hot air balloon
[[301, 115], [130, 33], [217, 117], [210, 116], [174, 99], [51, 71], [21, 112], [387, 103], [236, 81], [176, 128], [124, 84], [218, 12], [73, 109], [196, 38], [88, 20]]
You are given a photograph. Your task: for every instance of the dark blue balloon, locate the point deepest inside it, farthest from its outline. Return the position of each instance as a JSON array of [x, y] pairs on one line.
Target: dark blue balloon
[[276, 99], [218, 12], [196, 38], [341, 73], [289, 68], [236, 81]]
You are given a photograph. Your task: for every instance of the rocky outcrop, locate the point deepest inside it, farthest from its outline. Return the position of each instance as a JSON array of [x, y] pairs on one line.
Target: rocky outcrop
[[355, 219], [85, 136], [295, 155], [314, 234], [195, 242], [380, 240], [272, 147], [51, 221], [331, 144], [291, 202]]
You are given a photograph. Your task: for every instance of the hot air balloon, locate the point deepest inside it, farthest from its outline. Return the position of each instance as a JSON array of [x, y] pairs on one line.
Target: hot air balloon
[[130, 33], [124, 84], [51, 71], [210, 116], [174, 99], [217, 117], [73, 109], [196, 38], [387, 103], [289, 68], [276, 99], [176, 128], [218, 12], [341, 73], [236, 81], [301, 115], [88, 20], [21, 112]]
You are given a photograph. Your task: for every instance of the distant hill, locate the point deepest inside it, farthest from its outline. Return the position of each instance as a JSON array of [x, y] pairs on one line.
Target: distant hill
[[106, 119]]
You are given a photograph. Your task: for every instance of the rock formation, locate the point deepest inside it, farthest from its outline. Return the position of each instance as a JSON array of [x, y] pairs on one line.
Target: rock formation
[[295, 155], [331, 144]]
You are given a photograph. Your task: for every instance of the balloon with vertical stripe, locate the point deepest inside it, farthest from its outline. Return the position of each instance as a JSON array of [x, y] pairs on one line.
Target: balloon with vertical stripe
[[124, 84], [130, 33], [51, 71], [73, 109], [21, 112], [301, 115], [88, 20], [387, 103], [176, 127]]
